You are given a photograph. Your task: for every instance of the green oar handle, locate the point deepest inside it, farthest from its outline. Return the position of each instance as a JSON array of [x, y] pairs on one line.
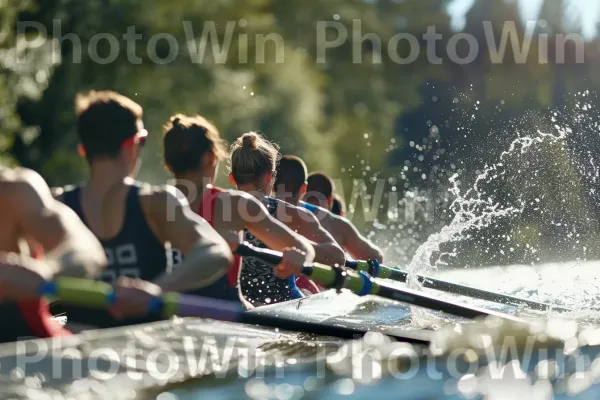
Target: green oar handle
[[332, 278], [337, 278], [376, 270], [85, 292], [99, 295]]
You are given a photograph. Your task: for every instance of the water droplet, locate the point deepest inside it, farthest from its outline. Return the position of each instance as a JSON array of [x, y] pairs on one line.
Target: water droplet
[[344, 387]]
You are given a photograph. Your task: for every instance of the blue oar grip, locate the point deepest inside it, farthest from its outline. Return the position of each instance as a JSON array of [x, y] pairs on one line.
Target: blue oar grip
[[111, 297], [367, 283], [156, 305], [48, 289]]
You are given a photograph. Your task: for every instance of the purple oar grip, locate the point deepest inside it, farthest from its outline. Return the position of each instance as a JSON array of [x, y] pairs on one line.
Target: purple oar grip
[[203, 307]]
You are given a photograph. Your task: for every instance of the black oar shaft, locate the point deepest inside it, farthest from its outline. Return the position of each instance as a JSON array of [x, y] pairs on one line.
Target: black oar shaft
[[323, 274], [455, 288], [428, 301]]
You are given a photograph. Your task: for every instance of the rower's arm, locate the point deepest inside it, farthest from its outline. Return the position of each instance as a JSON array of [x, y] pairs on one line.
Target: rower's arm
[[327, 251], [267, 229], [358, 246], [207, 255], [64, 238]]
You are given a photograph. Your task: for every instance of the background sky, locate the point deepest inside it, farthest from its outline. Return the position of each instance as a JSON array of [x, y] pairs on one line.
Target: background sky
[[587, 10]]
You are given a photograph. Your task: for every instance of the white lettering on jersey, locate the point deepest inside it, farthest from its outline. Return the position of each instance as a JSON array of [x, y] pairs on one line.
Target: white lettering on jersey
[[124, 255], [176, 256]]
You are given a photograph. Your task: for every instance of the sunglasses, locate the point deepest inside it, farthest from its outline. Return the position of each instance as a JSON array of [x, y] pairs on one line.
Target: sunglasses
[[137, 139]]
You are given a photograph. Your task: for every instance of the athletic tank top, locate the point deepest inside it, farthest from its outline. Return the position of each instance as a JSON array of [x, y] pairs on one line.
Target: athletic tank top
[[225, 288], [258, 284], [134, 252]]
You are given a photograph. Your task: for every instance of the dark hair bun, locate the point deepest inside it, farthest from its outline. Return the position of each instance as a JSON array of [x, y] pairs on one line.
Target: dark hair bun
[[176, 121], [249, 140]]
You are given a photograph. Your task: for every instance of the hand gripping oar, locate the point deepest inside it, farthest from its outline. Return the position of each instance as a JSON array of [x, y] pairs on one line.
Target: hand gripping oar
[[362, 284], [373, 268], [97, 294]]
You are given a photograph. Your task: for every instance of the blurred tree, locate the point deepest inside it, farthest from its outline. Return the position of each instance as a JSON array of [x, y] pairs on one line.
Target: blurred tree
[[329, 81], [24, 74]]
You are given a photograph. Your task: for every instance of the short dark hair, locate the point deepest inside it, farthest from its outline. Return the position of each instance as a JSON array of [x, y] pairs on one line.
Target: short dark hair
[[187, 139], [338, 207], [291, 174], [319, 183], [105, 119]]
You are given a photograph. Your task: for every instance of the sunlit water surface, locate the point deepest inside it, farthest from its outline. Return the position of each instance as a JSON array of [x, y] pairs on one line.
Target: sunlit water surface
[[220, 360]]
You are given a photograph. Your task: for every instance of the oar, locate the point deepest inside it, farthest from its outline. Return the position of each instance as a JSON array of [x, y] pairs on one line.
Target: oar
[[362, 284], [100, 295], [380, 271]]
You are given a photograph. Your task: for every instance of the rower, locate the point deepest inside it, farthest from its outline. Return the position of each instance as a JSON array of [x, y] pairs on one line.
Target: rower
[[252, 162], [337, 205], [193, 149], [293, 184], [32, 221], [132, 220], [320, 190]]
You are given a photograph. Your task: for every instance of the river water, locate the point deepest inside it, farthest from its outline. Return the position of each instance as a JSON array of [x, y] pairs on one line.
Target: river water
[[197, 358]]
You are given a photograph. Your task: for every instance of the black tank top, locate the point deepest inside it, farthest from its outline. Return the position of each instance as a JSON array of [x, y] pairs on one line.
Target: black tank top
[[134, 252], [258, 284]]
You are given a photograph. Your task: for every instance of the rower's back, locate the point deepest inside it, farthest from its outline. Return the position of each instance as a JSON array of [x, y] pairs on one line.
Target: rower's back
[[258, 285], [131, 246]]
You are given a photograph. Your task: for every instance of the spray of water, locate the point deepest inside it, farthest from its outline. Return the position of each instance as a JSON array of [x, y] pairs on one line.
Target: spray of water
[[474, 209]]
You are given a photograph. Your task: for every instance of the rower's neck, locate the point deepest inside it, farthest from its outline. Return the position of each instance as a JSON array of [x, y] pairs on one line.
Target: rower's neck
[[105, 175]]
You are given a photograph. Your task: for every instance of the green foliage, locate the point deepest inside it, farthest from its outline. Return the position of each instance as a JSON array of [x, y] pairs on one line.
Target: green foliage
[[355, 114]]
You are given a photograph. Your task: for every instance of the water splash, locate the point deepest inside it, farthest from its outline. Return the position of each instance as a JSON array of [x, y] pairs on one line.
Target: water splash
[[476, 208]]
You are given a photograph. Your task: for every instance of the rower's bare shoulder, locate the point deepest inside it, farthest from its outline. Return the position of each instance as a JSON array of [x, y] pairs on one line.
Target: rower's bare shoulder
[[301, 215], [57, 193], [336, 220], [303, 212], [19, 176], [22, 185], [238, 198], [160, 198]]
